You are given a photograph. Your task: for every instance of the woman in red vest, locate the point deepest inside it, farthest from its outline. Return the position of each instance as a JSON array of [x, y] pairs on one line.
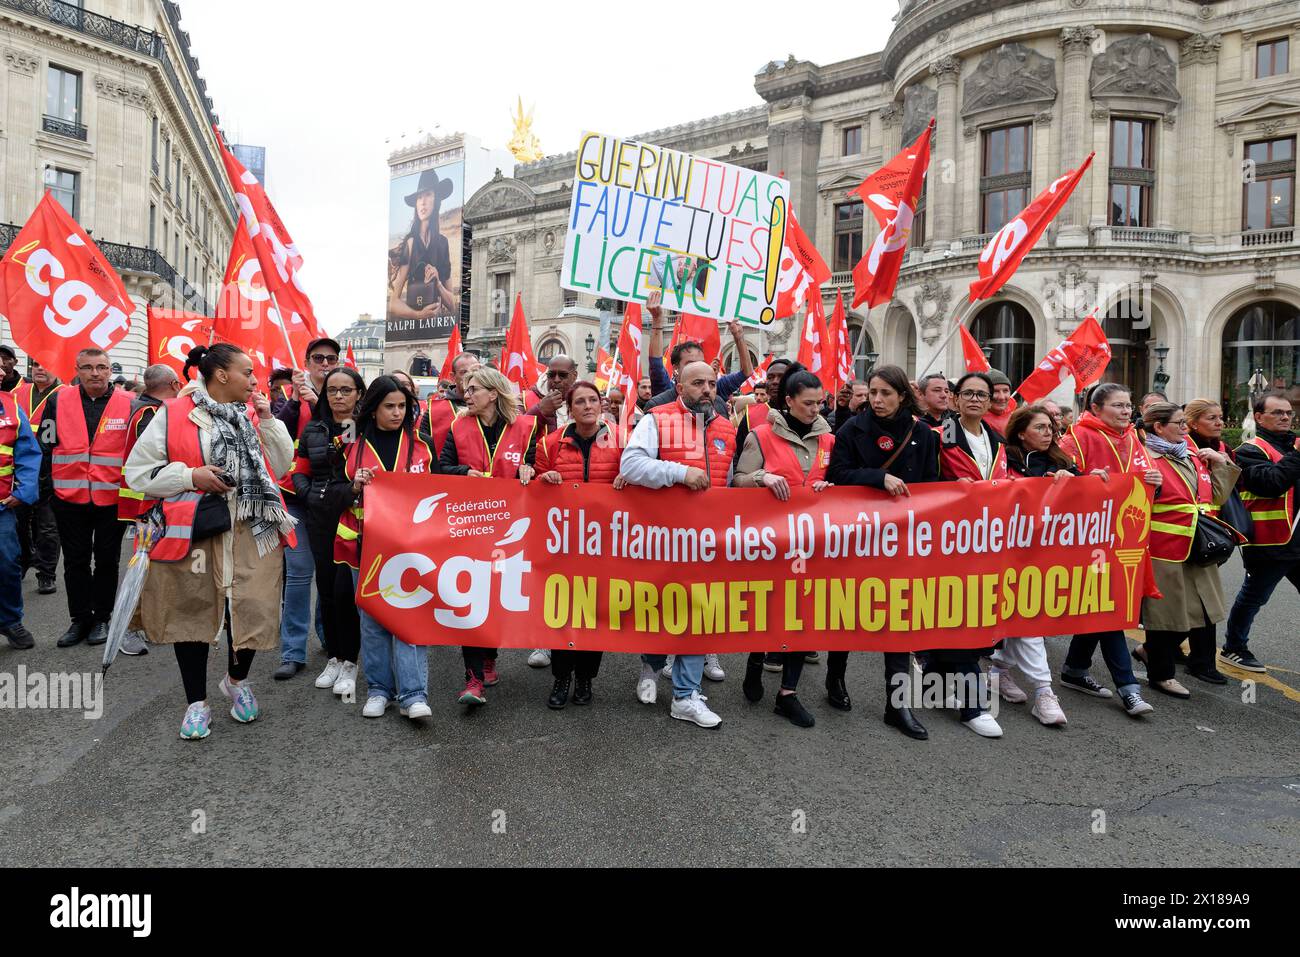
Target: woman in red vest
[[586, 450], [490, 440], [386, 441], [202, 448], [1195, 481], [793, 449]]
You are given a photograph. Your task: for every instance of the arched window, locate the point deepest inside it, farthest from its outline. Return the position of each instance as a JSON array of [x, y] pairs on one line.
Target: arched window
[[1263, 337], [860, 363], [1008, 329], [1128, 328], [421, 366], [549, 349]]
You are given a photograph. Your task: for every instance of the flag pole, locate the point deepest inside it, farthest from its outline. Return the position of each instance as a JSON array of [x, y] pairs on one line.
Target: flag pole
[[958, 321]]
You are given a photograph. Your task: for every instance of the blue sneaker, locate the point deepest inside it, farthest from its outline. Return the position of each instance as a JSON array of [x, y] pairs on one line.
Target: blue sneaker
[[196, 725], [244, 709]]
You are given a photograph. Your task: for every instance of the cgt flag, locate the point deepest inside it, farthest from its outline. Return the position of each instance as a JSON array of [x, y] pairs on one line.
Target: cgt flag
[[59, 293], [843, 349], [691, 328], [604, 370], [876, 274], [1083, 355], [760, 375], [816, 350], [971, 353], [627, 369], [246, 316], [454, 348], [172, 334], [518, 363], [802, 269]]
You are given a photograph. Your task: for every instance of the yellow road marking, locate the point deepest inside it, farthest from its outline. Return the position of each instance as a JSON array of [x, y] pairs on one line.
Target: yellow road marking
[[1267, 680]]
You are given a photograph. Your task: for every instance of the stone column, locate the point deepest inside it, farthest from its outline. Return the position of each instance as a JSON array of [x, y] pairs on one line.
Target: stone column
[[943, 165], [1076, 42], [1196, 132], [794, 146]]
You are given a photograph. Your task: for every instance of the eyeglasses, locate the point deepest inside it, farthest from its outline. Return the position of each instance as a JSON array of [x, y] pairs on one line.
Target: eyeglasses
[[470, 390], [1178, 423], [1284, 413], [976, 396], [324, 360], [97, 370], [1127, 407], [1046, 427], [340, 390]]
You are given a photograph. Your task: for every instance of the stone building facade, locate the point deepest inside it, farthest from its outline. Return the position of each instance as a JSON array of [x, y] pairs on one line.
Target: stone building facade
[[366, 337], [1182, 233], [102, 103]]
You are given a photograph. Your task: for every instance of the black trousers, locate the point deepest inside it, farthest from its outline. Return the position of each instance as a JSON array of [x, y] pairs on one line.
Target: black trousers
[[474, 658], [38, 535], [339, 618], [89, 533], [584, 663], [896, 663], [192, 656], [959, 663], [1161, 646], [791, 666]]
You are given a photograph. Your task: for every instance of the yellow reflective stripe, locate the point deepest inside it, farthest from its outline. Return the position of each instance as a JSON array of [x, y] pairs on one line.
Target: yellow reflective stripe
[[345, 533], [1172, 529], [128, 493], [1252, 497], [6, 470], [1189, 509], [1270, 516], [6, 450], [358, 511]]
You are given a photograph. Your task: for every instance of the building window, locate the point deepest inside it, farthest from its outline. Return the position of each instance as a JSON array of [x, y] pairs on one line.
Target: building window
[[153, 140], [1005, 178], [1269, 191], [167, 164], [66, 187], [501, 299], [1132, 172], [1008, 329], [153, 225], [1128, 329], [852, 140], [63, 94], [848, 235], [1263, 337], [1273, 58], [549, 349]]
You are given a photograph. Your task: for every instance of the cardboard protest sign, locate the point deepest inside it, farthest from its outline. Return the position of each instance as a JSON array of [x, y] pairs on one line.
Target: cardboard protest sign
[[706, 233]]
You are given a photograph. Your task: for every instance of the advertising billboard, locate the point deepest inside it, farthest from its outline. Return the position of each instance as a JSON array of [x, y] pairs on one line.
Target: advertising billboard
[[425, 216]]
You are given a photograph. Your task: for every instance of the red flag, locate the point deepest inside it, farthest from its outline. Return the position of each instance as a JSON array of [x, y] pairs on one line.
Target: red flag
[[627, 371], [1012, 242], [245, 315], [172, 334], [816, 351], [59, 293], [1049, 373], [604, 369], [801, 269], [843, 349], [976, 361], [876, 275], [454, 348], [692, 328], [351, 360], [880, 192], [517, 359], [274, 248], [760, 375], [1083, 355]]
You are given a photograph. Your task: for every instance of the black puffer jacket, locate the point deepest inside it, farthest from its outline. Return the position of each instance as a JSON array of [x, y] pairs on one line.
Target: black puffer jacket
[[865, 443], [319, 454]]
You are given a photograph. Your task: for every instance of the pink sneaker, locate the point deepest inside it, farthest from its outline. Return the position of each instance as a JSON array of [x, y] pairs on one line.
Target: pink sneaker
[[473, 693], [490, 676], [1007, 688]]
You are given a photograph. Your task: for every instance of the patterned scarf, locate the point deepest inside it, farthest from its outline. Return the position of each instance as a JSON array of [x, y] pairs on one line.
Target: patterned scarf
[[1173, 450], [237, 448]]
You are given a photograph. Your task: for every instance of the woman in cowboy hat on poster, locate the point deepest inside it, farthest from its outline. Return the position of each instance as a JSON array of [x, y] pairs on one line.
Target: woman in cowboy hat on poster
[[420, 289]]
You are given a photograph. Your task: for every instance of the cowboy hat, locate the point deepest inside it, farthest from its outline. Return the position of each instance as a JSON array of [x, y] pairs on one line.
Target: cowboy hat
[[430, 183]]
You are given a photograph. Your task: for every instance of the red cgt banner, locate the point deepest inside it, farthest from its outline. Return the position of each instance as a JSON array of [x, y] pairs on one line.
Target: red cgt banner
[[456, 561]]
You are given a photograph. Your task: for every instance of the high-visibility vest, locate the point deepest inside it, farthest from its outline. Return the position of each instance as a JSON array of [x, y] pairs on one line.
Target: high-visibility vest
[[90, 472], [472, 449], [305, 413], [756, 414], [184, 445], [681, 441], [1273, 518], [1093, 449], [779, 457], [8, 437], [558, 452], [130, 503], [439, 415], [1176, 512], [361, 455], [26, 394]]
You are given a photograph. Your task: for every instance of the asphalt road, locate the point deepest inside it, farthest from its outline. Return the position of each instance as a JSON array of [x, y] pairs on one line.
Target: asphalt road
[[1208, 782]]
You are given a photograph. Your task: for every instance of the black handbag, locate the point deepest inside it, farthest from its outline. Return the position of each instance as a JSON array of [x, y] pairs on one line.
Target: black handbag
[[1213, 543], [211, 518], [1235, 514]]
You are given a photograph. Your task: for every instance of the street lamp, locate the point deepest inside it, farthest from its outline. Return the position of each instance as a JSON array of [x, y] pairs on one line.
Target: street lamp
[[591, 347], [871, 361], [1258, 383], [1161, 379], [988, 355]]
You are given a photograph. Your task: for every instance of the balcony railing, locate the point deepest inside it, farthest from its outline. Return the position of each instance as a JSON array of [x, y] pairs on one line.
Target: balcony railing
[[62, 127], [973, 244], [1138, 236], [1266, 237]]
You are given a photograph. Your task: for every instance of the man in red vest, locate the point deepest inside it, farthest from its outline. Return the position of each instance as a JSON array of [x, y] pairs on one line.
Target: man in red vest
[[85, 450], [20, 466], [37, 530], [687, 443]]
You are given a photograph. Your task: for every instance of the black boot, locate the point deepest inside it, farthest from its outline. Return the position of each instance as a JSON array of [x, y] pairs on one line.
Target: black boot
[[582, 691], [837, 694], [902, 719], [98, 634], [45, 586], [18, 637], [753, 686], [560, 693], [790, 706], [77, 632]]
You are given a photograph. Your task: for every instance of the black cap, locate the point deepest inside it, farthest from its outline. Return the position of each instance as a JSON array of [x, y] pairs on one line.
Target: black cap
[[9, 351], [311, 346]]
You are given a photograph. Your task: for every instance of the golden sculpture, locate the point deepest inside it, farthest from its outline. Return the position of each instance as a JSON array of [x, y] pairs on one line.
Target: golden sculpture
[[524, 144]]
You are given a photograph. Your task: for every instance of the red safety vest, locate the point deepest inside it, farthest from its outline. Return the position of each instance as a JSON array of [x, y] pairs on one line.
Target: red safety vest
[[680, 441], [347, 537], [779, 457], [756, 414], [558, 452], [8, 437], [25, 393], [184, 445], [90, 472], [472, 450], [130, 503], [1176, 512], [439, 414], [305, 413], [1092, 448], [1274, 518]]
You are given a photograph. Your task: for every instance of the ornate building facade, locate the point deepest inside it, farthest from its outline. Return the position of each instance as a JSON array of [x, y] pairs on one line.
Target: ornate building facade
[[104, 106], [1182, 233], [366, 337]]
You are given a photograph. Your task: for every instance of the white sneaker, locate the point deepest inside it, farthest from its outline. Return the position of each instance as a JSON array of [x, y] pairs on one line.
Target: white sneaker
[[667, 671], [1007, 687], [646, 691], [330, 675], [417, 711], [346, 685], [540, 658], [375, 706], [985, 726], [1047, 709], [712, 670], [694, 709]]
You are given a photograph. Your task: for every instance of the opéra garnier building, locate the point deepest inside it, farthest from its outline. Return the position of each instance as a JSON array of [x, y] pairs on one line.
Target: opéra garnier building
[[1183, 232]]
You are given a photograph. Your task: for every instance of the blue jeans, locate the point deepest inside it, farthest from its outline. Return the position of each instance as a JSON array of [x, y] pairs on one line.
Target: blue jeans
[[688, 672], [387, 660], [11, 576], [295, 610], [1114, 649], [1255, 592]]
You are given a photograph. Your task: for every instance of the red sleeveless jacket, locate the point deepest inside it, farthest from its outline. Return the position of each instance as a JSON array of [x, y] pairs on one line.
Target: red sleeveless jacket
[[558, 452], [681, 441]]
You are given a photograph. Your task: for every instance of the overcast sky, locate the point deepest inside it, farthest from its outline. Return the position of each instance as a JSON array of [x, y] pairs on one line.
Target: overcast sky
[[330, 91]]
